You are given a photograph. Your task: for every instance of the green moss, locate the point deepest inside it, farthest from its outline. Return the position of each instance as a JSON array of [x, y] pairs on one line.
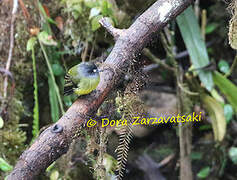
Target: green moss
[[77, 32], [77, 27], [12, 141]]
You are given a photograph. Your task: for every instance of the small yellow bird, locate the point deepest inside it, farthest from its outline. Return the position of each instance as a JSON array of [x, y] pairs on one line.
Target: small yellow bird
[[81, 79]]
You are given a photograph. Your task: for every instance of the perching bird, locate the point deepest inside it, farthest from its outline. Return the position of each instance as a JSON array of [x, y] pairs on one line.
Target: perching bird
[[81, 79]]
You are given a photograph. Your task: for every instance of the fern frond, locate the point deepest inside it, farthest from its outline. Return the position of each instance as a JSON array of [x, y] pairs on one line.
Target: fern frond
[[122, 150], [35, 126]]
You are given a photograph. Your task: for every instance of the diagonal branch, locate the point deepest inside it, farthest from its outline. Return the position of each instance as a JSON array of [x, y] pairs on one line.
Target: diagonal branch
[[55, 140]]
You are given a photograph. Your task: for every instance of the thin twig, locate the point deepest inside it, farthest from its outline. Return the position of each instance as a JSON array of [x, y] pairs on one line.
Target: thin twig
[[84, 54], [92, 49], [166, 160], [24, 10], [185, 131], [234, 64], [9, 74], [196, 8], [186, 90], [14, 10], [180, 55], [204, 23], [148, 53]]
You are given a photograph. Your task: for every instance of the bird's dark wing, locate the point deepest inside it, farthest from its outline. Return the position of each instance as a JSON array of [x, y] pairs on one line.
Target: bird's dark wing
[[68, 86]]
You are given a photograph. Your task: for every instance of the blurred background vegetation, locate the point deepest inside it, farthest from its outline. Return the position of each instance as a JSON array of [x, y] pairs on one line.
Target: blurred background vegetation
[[190, 66]]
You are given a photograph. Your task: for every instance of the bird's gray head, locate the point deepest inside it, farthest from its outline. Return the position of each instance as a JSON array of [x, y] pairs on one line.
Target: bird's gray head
[[88, 69]]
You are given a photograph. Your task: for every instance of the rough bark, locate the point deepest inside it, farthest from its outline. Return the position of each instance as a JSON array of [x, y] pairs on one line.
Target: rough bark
[[55, 140]]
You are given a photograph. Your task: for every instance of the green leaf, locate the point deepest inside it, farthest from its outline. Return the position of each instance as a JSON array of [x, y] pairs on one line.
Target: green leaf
[[91, 3], [31, 43], [227, 88], [46, 39], [4, 166], [205, 127], [211, 27], [75, 14], [204, 172], [54, 107], [196, 155], [78, 8], [95, 22], [67, 101], [57, 69], [106, 8], [228, 112], [216, 114], [1, 122], [44, 14], [217, 96], [195, 45], [223, 66], [52, 81], [54, 175], [233, 154], [51, 167], [94, 12]]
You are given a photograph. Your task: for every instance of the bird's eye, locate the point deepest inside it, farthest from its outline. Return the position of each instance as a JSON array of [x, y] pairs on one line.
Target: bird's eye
[[94, 70]]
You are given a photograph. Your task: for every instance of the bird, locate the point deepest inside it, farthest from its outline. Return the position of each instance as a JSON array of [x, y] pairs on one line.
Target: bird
[[81, 79]]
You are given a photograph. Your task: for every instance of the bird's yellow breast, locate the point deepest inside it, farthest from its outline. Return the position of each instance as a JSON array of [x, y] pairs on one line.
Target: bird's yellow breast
[[86, 85]]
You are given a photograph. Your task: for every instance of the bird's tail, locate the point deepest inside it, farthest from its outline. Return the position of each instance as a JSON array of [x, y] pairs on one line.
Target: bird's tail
[[68, 86]]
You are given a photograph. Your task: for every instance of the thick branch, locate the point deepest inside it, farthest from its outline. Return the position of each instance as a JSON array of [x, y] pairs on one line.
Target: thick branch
[[55, 140]]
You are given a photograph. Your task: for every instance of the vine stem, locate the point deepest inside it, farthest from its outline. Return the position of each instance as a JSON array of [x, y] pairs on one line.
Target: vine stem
[[53, 78]]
